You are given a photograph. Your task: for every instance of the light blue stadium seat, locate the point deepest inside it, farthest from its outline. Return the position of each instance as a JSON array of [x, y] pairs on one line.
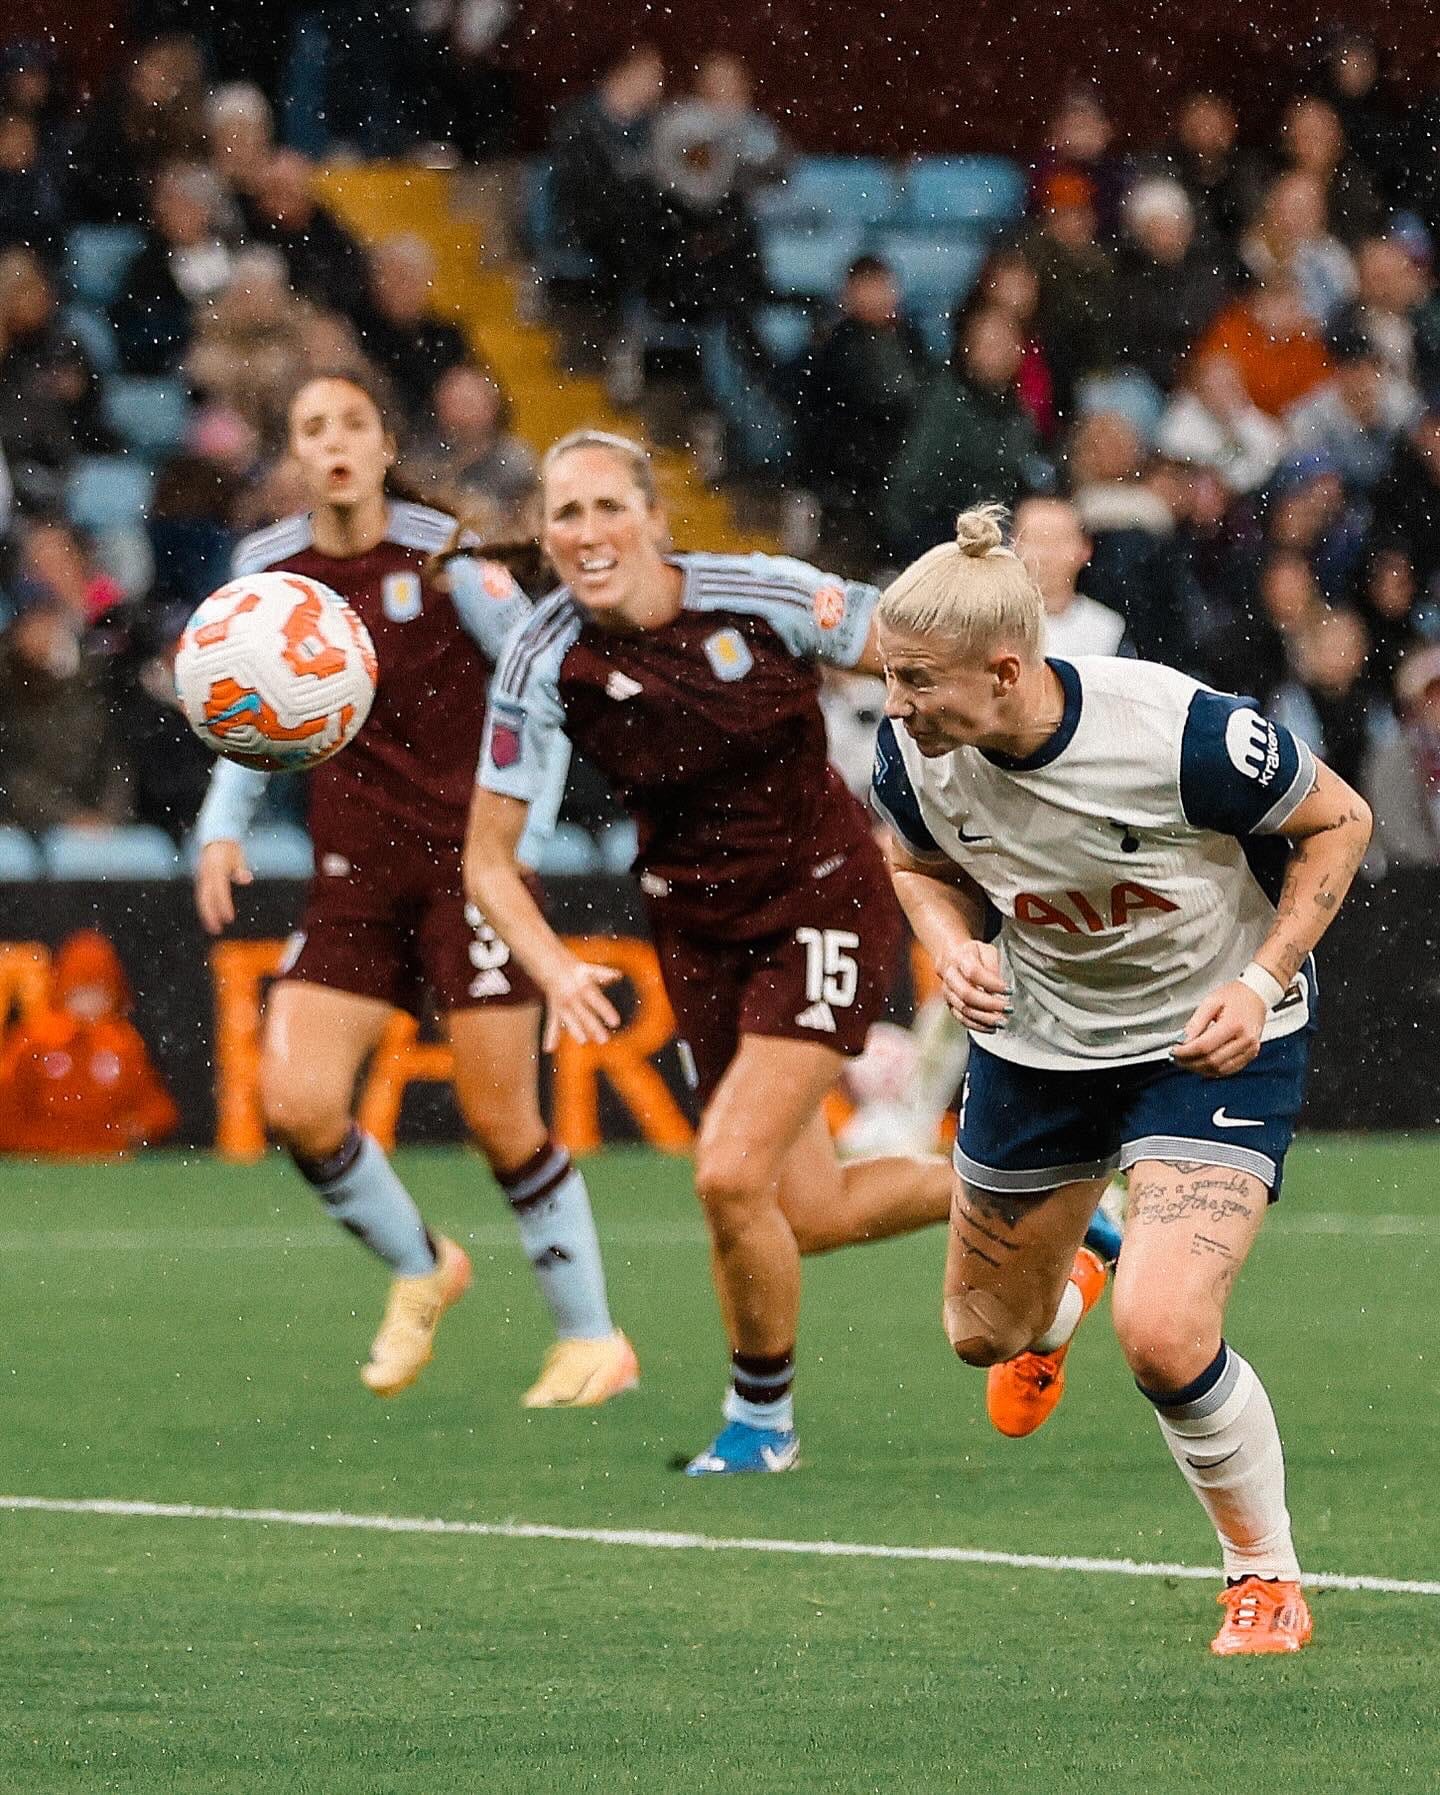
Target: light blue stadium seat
[[936, 331], [809, 264], [280, 851], [127, 851], [554, 258], [568, 849], [756, 431], [784, 330], [619, 844], [95, 334], [97, 258], [983, 191], [935, 269], [821, 190], [148, 415], [19, 856], [108, 492]]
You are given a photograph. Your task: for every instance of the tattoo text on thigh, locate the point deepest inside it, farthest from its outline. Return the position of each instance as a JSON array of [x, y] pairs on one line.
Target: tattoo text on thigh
[[1207, 1195]]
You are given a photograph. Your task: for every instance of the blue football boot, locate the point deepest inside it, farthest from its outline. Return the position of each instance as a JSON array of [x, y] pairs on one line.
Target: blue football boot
[[1104, 1236], [740, 1447]]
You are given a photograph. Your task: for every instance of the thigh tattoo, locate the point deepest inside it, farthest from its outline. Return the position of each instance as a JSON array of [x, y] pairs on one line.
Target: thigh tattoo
[[983, 1222], [1204, 1200]]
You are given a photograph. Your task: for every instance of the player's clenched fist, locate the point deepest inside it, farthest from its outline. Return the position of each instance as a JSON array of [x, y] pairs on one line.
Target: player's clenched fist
[[974, 987], [1223, 1035]]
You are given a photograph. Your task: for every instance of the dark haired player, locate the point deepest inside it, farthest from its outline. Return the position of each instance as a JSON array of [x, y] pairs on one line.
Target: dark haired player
[[386, 916]]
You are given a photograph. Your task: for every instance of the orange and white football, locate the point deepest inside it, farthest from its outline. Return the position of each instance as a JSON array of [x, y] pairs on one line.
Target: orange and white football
[[275, 671]]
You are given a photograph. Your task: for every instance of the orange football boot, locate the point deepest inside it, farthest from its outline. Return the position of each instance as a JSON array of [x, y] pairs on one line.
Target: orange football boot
[[1021, 1394], [1262, 1617]]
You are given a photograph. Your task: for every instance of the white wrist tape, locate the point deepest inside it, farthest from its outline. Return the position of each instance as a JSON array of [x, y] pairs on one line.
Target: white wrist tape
[[1264, 984]]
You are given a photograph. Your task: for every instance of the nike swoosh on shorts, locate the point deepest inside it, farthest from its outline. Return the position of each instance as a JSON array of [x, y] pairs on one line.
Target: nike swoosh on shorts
[[1221, 1120]]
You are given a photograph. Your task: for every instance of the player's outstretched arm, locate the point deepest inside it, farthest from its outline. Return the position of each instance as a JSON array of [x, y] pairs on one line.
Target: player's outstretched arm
[[230, 804], [220, 867], [947, 912], [1330, 831], [575, 1000]]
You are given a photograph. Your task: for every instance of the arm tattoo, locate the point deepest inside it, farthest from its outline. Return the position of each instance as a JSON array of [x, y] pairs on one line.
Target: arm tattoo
[[1300, 920]]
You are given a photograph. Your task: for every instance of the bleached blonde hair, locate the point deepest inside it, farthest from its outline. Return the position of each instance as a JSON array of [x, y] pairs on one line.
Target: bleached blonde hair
[[974, 592]]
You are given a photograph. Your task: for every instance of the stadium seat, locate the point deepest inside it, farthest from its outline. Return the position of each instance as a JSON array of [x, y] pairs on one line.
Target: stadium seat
[[108, 492], [936, 329], [96, 259], [149, 416], [756, 432], [568, 849], [554, 258], [980, 191], [19, 856], [619, 844], [829, 190], [935, 269], [281, 851], [95, 334], [126, 851], [809, 264], [784, 330]]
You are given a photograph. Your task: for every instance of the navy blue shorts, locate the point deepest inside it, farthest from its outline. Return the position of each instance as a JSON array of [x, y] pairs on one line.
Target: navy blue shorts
[[1025, 1131]]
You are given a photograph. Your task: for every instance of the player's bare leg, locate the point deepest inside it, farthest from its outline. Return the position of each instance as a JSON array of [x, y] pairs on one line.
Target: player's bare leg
[[768, 1098], [1018, 1281], [829, 1204], [1190, 1229], [497, 1085], [316, 1041], [1008, 1265]]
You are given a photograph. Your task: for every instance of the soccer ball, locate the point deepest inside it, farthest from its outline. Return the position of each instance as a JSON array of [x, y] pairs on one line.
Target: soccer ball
[[275, 671]]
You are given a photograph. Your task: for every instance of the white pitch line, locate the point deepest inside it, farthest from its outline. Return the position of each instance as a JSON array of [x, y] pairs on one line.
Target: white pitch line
[[646, 1539], [501, 1235]]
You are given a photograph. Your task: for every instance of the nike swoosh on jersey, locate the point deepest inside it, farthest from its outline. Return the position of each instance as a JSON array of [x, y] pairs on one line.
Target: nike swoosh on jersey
[[1221, 1120], [970, 838]]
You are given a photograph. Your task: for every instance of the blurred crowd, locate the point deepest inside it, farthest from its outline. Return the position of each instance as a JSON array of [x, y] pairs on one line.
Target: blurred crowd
[[1222, 352], [1223, 355], [239, 282]]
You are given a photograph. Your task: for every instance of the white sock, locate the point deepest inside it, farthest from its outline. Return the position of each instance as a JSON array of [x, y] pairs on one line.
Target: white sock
[[1067, 1319], [552, 1211], [1226, 1443]]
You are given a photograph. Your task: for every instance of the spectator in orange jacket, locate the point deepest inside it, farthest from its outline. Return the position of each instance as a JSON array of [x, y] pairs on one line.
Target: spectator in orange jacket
[[76, 1080]]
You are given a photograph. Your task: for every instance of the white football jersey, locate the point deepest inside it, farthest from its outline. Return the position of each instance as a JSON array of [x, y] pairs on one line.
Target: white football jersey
[[1134, 860]]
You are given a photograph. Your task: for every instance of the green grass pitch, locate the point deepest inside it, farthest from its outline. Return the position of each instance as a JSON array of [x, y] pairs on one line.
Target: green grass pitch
[[189, 1332]]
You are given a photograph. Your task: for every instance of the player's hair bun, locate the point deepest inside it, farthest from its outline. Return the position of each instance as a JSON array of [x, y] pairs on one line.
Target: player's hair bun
[[978, 531]]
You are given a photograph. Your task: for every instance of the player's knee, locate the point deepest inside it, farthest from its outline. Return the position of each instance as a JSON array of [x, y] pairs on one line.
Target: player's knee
[[507, 1134], [305, 1117], [984, 1331], [730, 1184], [1165, 1345]]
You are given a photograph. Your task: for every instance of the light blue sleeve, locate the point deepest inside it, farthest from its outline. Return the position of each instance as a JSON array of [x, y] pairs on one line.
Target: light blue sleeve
[[489, 603], [818, 616], [230, 803], [525, 736], [545, 805]]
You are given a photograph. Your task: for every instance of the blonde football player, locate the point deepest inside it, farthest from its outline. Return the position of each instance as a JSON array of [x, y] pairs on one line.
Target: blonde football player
[[1158, 861]]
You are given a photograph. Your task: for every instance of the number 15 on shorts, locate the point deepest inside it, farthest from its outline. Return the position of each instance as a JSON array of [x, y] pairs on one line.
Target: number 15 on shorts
[[832, 974]]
